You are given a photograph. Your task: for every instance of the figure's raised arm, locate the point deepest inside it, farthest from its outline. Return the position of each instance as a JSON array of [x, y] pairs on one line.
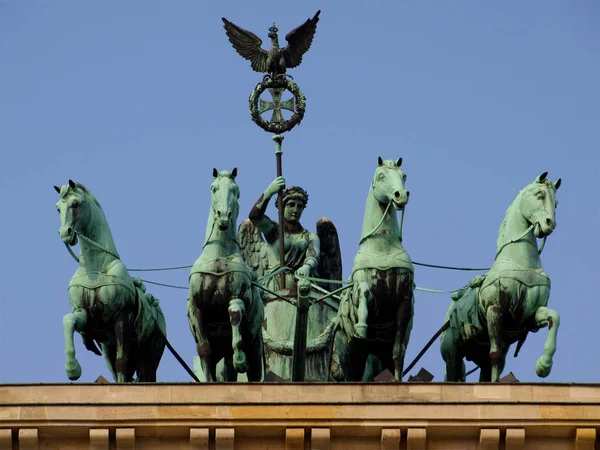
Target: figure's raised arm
[[257, 214]]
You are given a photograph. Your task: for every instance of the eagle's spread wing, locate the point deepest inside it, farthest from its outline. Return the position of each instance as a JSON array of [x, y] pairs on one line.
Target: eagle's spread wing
[[330, 262], [247, 44], [299, 41]]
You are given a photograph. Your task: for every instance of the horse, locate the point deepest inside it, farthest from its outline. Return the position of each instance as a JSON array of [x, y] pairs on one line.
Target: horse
[[375, 315], [225, 309], [501, 307], [109, 308]]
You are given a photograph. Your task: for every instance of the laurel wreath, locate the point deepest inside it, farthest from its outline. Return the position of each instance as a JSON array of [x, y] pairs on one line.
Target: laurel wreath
[[288, 85]]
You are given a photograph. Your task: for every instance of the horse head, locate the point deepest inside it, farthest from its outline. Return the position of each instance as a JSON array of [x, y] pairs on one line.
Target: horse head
[[74, 211], [538, 204], [224, 199], [388, 184]]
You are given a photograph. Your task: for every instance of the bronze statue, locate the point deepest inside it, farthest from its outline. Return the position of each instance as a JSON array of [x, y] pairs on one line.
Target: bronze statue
[[306, 254], [376, 315], [274, 61], [225, 309], [500, 308], [109, 308]]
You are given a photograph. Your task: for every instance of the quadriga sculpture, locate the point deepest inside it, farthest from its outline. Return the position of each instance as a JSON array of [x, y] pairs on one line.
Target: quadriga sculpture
[[109, 307], [375, 315], [225, 309], [499, 308]]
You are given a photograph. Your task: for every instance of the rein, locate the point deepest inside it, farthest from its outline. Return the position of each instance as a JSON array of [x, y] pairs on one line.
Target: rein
[[92, 242], [525, 233], [366, 236]]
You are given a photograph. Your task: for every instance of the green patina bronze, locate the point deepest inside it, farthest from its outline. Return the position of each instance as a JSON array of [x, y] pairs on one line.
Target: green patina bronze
[[501, 307], [305, 254], [109, 308], [276, 87], [374, 321], [275, 61], [277, 106], [225, 308]]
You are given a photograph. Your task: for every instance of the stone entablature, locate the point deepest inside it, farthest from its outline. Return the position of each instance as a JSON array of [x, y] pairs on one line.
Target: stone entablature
[[441, 416]]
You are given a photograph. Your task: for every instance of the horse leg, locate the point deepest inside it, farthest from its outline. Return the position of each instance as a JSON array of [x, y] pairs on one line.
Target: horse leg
[[236, 313], [110, 355], [150, 355], [203, 347], [404, 316], [124, 332], [229, 373], [364, 295], [373, 367], [254, 355], [345, 355], [546, 316], [485, 373], [450, 353], [494, 323], [73, 322]]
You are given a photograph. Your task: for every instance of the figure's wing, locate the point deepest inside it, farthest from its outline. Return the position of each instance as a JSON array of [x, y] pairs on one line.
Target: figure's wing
[[330, 262], [252, 246], [299, 41], [247, 44]]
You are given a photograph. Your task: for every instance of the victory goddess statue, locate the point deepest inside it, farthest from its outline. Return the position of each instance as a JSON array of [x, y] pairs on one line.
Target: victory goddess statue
[[306, 254]]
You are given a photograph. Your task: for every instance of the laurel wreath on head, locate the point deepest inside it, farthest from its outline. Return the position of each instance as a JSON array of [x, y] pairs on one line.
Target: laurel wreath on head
[[288, 85]]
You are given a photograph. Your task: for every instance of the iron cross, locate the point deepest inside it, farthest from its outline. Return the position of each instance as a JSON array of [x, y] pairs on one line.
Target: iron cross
[[277, 105]]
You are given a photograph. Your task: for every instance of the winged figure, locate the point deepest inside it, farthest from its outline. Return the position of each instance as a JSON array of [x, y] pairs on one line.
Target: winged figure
[[307, 254], [276, 60], [255, 251]]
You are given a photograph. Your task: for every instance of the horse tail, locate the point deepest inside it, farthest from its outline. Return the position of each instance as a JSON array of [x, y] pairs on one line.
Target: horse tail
[[149, 313]]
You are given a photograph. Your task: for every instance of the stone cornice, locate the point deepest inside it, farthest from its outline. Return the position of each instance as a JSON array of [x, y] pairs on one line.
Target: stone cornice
[[431, 410]]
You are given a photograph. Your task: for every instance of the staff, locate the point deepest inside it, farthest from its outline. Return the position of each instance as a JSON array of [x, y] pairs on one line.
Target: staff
[[278, 138]]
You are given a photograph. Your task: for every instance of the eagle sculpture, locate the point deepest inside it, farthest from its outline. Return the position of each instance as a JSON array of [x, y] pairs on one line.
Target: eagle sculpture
[[275, 61]]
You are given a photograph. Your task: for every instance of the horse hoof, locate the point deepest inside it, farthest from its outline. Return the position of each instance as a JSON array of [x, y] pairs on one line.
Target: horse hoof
[[73, 370], [543, 366], [239, 362], [361, 331]]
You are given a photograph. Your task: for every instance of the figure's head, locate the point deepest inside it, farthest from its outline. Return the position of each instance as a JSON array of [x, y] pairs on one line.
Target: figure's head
[[538, 204], [388, 183], [294, 201], [273, 31], [74, 210], [224, 198]]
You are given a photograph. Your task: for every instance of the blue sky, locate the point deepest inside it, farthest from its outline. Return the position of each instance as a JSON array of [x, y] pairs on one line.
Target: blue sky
[[139, 101]]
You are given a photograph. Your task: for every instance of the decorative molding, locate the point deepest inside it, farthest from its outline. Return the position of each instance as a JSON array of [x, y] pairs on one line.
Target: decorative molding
[[5, 439], [390, 439], [294, 439], [416, 439], [199, 439], [515, 439], [28, 439], [320, 438], [99, 439], [125, 438], [489, 439], [224, 438], [585, 438]]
